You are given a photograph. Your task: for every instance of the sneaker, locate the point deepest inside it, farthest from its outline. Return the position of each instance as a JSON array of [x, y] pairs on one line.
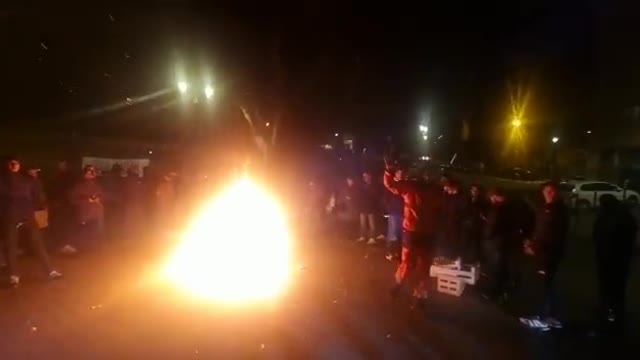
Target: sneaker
[[534, 323], [389, 257], [360, 239], [380, 237], [371, 241], [553, 323], [14, 281], [54, 275]]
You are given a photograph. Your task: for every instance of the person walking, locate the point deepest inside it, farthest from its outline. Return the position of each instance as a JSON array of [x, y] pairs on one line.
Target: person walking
[[17, 209], [87, 198], [455, 214], [614, 233], [474, 226]]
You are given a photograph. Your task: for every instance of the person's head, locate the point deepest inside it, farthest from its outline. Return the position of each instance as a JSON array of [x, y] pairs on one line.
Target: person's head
[[366, 177], [399, 175], [33, 172], [607, 201], [550, 192], [13, 165], [475, 191], [497, 196], [452, 187], [89, 172], [350, 181]]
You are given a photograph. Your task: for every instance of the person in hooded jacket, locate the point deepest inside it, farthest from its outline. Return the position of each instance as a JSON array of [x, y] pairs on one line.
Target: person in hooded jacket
[[614, 233], [17, 200], [421, 216]]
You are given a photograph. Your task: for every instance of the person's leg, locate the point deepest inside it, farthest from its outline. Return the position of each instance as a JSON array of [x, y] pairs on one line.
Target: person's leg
[[363, 226], [11, 243], [38, 248], [392, 232], [619, 287], [550, 296], [371, 221]]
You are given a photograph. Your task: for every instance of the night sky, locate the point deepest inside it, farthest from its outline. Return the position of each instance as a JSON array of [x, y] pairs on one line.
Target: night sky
[[331, 67]]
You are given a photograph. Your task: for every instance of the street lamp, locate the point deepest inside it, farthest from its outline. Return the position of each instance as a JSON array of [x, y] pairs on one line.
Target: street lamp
[[183, 86], [555, 139], [516, 123]]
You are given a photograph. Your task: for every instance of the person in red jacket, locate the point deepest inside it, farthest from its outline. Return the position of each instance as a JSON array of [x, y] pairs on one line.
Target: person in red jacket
[[422, 208]]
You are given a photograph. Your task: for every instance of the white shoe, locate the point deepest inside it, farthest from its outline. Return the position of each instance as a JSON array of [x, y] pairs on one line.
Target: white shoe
[[68, 250], [381, 237], [389, 257], [553, 323], [54, 275], [371, 241], [14, 280], [360, 239]]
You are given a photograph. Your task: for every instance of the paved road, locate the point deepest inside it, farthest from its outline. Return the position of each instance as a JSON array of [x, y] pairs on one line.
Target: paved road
[[110, 307]]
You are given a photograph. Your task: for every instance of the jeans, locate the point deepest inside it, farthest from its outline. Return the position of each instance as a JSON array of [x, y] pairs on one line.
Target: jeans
[[367, 225], [550, 294], [394, 231], [35, 238], [88, 235]]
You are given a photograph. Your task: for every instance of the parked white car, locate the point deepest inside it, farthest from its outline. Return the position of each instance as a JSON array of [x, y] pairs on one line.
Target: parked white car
[[584, 194]]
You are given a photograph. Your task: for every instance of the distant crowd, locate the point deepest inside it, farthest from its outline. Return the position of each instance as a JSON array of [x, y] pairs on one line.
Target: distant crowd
[[73, 213]]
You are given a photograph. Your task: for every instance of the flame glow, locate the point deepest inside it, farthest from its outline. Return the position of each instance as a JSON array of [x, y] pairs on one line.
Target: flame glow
[[236, 250]]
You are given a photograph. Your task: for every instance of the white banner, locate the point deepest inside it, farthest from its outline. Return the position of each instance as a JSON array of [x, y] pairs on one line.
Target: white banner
[[106, 164]]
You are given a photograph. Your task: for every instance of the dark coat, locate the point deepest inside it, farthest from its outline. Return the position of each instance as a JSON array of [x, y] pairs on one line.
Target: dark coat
[[550, 233], [614, 232], [17, 194]]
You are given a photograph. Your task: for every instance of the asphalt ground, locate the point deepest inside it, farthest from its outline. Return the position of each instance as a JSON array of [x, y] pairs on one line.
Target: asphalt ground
[[110, 305]]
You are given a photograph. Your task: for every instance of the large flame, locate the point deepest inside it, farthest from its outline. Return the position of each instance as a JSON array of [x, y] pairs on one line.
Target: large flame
[[236, 250]]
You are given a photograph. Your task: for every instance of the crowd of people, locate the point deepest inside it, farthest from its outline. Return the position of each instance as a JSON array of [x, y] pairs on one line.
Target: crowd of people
[[74, 214], [431, 219]]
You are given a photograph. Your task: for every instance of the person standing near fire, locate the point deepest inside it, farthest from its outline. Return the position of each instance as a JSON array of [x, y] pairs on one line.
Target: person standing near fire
[[422, 209]]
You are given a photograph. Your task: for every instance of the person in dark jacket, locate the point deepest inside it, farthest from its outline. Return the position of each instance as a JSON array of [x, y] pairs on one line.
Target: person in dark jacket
[[421, 215], [614, 233], [87, 198], [474, 226], [499, 235], [394, 205], [548, 247], [368, 204], [455, 214], [344, 205], [17, 212]]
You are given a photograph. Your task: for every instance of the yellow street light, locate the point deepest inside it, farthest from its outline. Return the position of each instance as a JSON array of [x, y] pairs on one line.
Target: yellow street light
[[516, 123]]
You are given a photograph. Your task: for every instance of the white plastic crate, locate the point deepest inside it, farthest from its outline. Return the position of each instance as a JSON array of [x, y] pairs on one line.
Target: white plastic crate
[[469, 274], [450, 285]]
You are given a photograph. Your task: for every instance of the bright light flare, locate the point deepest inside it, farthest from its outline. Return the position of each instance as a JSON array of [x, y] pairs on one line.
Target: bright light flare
[[208, 91], [516, 122], [555, 139], [237, 250], [183, 87]]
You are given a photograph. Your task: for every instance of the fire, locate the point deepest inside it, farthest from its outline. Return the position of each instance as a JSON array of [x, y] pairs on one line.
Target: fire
[[237, 249]]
